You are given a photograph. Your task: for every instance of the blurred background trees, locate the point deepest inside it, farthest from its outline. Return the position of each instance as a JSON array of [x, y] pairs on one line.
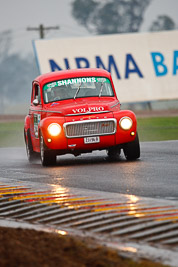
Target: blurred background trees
[[116, 16], [162, 23], [16, 74], [107, 17]]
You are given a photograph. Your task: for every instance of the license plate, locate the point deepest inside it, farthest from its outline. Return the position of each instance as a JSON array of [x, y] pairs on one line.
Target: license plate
[[91, 139]]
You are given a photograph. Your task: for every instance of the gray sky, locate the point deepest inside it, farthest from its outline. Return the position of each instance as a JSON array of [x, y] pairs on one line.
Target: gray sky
[[17, 15]]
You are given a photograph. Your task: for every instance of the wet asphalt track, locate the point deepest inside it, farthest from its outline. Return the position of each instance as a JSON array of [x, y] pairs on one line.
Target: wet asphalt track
[[154, 175]]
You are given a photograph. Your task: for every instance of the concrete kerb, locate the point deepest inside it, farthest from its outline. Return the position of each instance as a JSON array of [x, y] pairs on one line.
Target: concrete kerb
[[99, 214]]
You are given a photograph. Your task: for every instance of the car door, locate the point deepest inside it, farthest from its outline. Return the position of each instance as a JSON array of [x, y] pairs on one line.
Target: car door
[[35, 115]]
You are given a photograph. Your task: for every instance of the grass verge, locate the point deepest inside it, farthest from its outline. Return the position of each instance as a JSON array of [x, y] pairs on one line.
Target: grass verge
[[158, 129], [11, 134]]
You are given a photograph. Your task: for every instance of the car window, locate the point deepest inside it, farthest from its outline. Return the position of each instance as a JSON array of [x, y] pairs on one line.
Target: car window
[[36, 93], [77, 88]]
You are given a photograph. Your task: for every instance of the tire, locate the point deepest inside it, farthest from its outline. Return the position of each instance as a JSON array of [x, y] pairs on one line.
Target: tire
[[31, 155], [114, 153], [132, 149], [48, 158]]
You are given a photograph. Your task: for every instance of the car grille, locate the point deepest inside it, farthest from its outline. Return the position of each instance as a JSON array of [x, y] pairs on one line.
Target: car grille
[[90, 128]]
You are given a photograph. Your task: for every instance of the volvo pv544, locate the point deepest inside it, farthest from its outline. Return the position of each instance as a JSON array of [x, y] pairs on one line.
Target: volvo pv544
[[77, 111]]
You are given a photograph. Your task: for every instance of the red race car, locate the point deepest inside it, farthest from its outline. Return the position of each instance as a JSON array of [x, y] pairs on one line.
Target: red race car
[[77, 111]]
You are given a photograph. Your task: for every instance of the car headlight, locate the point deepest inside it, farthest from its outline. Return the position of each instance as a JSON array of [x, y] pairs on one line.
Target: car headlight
[[126, 123], [54, 129]]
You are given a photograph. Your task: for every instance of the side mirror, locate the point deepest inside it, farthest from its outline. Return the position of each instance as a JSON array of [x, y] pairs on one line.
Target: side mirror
[[35, 102]]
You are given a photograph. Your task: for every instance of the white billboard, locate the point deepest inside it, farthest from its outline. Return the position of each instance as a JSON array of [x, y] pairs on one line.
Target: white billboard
[[144, 67]]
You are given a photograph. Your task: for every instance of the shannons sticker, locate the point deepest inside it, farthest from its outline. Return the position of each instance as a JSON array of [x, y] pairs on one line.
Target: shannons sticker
[[77, 81], [89, 109]]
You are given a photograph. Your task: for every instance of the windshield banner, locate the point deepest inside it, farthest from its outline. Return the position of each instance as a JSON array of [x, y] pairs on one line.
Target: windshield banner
[[76, 81]]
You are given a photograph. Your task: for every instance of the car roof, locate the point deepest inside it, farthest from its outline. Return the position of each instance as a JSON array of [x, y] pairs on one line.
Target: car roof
[[65, 74]]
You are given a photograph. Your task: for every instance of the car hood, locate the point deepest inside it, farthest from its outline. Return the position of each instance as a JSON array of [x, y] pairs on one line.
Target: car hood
[[82, 106]]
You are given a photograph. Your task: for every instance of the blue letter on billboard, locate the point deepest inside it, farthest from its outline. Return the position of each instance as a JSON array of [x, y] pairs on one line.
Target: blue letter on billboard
[[99, 64], [66, 61], [79, 60], [158, 62], [54, 65], [175, 63], [129, 59]]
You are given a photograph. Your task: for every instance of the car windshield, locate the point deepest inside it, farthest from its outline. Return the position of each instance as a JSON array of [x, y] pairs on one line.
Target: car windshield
[[77, 88]]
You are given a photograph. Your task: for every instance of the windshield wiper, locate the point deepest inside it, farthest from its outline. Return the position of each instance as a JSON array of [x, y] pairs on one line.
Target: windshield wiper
[[77, 91], [101, 89]]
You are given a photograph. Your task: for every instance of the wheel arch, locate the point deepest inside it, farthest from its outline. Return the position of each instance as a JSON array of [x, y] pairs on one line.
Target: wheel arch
[[27, 123]]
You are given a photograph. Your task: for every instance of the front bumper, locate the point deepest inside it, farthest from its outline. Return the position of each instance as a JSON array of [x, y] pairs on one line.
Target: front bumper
[[74, 132]]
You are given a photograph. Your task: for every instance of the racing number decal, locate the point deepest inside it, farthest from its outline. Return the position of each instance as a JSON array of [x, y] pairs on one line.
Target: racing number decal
[[37, 118]]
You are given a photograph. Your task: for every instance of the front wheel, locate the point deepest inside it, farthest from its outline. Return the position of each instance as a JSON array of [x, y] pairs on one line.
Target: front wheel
[[114, 153], [47, 157], [132, 149]]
